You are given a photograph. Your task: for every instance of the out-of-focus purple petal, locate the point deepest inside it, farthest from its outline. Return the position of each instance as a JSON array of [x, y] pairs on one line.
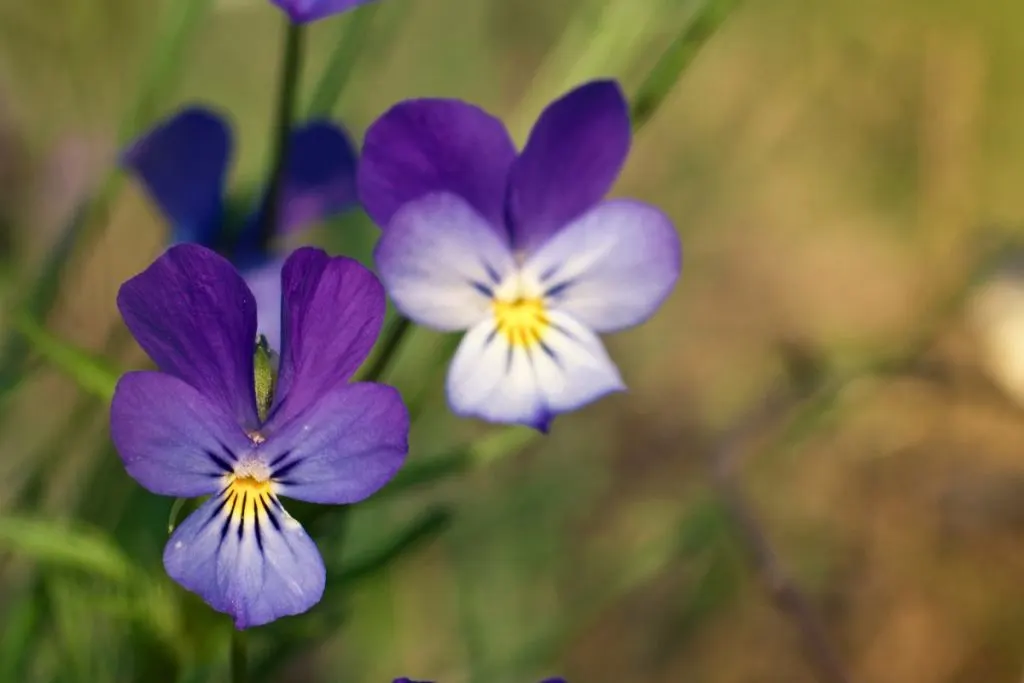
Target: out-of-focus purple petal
[[419, 147], [573, 156], [319, 182], [440, 261], [183, 163], [193, 314], [264, 282], [249, 559], [529, 384], [173, 440], [344, 447], [332, 311], [612, 267], [301, 11], [320, 178]]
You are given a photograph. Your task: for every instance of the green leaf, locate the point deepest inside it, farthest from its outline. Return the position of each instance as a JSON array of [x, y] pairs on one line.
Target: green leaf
[[68, 546], [424, 528], [348, 45], [425, 471], [675, 60], [91, 373]]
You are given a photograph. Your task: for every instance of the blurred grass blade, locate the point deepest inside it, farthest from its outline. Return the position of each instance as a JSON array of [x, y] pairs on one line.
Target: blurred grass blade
[[425, 471], [165, 62], [348, 45], [675, 60], [172, 517], [67, 546], [93, 374], [424, 528]]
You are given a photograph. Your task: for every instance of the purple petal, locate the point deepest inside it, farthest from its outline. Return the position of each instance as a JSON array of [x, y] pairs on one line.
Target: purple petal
[[301, 11], [499, 380], [182, 163], [612, 267], [249, 559], [343, 448], [440, 261], [332, 311], [173, 440], [571, 160], [264, 282], [320, 180], [193, 314], [420, 147]]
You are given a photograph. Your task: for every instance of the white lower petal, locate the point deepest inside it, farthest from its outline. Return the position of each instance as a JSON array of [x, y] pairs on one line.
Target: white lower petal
[[496, 381]]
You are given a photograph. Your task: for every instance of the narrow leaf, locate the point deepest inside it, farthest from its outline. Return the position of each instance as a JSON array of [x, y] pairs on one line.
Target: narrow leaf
[[68, 546], [93, 374], [424, 528]]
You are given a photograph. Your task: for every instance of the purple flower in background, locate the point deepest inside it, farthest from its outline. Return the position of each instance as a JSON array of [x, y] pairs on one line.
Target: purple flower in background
[[183, 164], [521, 249], [205, 423], [302, 11]]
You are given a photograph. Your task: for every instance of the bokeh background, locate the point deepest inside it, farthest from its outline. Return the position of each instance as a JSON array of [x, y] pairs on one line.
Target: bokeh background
[[834, 170]]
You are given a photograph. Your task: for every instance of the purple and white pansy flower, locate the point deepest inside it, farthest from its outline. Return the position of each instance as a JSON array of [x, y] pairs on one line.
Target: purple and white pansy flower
[[216, 420], [520, 249]]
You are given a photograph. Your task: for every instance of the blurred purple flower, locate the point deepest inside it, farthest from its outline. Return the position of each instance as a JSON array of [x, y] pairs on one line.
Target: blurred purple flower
[[183, 163], [520, 249], [302, 11], [199, 427]]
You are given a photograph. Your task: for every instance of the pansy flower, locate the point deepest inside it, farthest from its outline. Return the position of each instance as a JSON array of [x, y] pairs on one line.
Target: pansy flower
[[520, 249], [216, 421], [302, 11], [183, 164]]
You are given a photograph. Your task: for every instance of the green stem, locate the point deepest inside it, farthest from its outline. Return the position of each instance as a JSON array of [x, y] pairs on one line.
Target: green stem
[[394, 334], [341, 63], [239, 657], [291, 66]]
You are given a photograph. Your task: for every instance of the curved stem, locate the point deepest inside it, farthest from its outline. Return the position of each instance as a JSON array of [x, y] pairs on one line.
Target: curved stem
[[394, 334], [288, 86], [239, 657]]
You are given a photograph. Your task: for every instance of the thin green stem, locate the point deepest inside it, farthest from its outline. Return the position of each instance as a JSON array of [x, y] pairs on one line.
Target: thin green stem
[[341, 63], [394, 334], [239, 657], [291, 66]]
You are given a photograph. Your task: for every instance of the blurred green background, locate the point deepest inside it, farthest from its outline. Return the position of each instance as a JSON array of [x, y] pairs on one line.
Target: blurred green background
[[832, 167]]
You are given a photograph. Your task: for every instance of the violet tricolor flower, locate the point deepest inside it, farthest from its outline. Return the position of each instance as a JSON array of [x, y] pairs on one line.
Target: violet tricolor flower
[[209, 423], [183, 164], [520, 249], [302, 11]]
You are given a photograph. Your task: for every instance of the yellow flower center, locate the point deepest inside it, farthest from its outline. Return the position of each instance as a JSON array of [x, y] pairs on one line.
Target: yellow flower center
[[521, 321], [246, 495]]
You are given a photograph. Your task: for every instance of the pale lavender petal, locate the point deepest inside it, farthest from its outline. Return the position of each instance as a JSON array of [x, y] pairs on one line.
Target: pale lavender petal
[[419, 147], [612, 267], [301, 11], [332, 311], [343, 448], [249, 559], [440, 261], [195, 317], [573, 156], [264, 282], [173, 440]]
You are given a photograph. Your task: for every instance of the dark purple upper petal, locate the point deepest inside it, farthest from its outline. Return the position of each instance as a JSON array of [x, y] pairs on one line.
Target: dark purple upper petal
[[332, 311], [572, 157], [182, 163], [195, 317], [301, 11], [424, 146]]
